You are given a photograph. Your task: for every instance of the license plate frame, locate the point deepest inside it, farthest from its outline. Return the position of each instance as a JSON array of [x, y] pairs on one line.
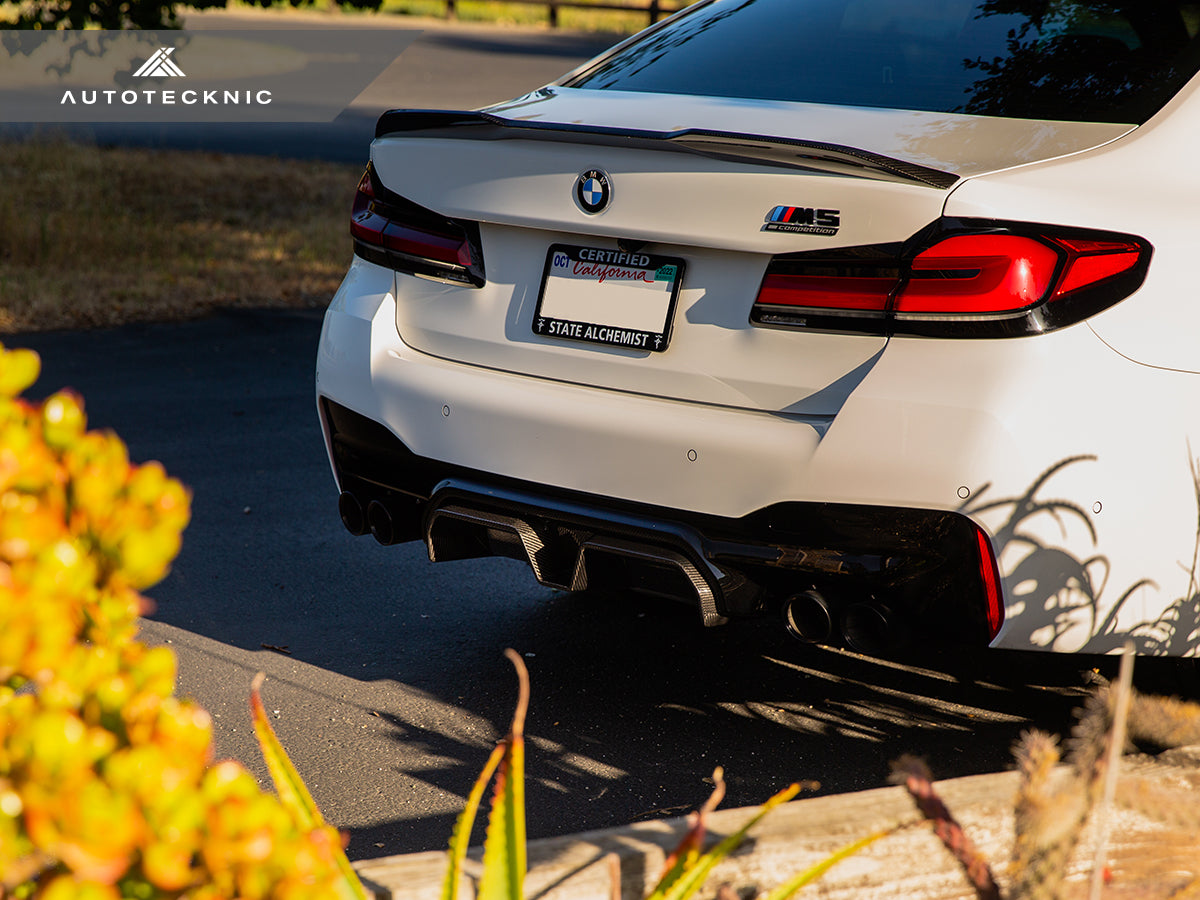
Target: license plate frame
[[600, 296]]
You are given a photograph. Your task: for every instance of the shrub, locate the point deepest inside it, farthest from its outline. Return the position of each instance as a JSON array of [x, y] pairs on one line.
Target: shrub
[[107, 786], [122, 14]]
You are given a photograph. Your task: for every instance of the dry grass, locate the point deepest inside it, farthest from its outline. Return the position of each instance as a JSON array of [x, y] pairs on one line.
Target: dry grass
[[93, 237], [500, 13]]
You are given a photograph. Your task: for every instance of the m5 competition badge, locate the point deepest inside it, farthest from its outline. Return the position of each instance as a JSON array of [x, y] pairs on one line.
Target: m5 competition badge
[[803, 220]]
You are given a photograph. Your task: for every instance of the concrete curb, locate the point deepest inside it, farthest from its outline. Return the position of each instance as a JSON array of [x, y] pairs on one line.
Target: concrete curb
[[1145, 856]]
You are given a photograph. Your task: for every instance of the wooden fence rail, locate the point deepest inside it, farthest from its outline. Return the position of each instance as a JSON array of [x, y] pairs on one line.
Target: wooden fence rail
[[654, 9]]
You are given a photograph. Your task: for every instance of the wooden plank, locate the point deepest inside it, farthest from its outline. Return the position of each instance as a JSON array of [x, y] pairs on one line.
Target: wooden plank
[[1144, 854]]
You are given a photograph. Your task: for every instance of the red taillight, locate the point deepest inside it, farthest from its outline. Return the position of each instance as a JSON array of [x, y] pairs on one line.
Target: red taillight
[[978, 273], [827, 292], [989, 574], [1090, 262], [366, 224], [991, 282], [425, 244], [392, 231], [365, 192]]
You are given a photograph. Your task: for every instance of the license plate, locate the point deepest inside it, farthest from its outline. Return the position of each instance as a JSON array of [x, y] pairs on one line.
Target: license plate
[[608, 297]]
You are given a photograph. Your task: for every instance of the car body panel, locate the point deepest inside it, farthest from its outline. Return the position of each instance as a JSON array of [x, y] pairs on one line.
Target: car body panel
[[697, 201], [716, 356], [1145, 183]]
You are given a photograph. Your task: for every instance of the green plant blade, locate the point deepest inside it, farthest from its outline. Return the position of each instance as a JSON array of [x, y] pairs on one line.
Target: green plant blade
[[290, 787], [461, 837], [788, 888], [292, 791], [694, 875], [504, 860], [688, 850], [682, 864], [504, 846]]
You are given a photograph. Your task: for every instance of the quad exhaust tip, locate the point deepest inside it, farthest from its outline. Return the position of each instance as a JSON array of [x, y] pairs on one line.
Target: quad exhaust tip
[[869, 628], [352, 513], [382, 523], [807, 617]]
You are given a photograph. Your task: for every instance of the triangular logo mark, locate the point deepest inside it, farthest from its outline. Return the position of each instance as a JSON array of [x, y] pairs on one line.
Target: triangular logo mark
[[160, 65]]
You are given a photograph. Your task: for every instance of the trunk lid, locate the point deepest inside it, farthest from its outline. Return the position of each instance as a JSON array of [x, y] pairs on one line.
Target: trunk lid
[[694, 180]]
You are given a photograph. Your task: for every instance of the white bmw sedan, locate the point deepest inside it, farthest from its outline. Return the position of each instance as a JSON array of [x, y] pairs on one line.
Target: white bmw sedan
[[879, 315]]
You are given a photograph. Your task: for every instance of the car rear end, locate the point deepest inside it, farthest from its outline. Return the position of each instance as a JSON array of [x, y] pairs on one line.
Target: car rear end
[[729, 334]]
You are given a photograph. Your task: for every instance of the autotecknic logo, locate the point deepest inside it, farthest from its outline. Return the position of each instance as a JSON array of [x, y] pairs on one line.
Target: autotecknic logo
[[160, 65], [248, 76]]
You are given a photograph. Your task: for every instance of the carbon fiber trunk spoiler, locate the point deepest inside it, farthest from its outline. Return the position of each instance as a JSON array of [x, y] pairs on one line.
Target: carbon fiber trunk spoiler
[[787, 153]]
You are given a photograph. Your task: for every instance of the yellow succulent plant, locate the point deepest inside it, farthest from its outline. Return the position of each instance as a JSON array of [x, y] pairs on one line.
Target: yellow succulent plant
[[107, 784]]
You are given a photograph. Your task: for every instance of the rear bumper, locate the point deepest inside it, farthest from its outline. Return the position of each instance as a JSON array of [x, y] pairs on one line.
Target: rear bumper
[[925, 562], [599, 488]]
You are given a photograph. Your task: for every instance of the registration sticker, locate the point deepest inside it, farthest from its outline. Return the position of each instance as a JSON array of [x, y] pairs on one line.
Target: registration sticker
[[608, 297]]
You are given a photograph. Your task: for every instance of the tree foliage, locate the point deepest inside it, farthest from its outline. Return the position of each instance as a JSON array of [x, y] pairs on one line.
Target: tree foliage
[[116, 15]]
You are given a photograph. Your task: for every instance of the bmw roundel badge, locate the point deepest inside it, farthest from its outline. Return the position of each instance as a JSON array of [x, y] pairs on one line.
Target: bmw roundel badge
[[593, 191]]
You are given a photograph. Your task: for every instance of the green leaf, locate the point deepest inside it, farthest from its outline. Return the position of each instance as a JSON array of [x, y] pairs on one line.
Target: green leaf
[[504, 861], [293, 793], [788, 888], [504, 846], [461, 837], [694, 875], [683, 863]]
